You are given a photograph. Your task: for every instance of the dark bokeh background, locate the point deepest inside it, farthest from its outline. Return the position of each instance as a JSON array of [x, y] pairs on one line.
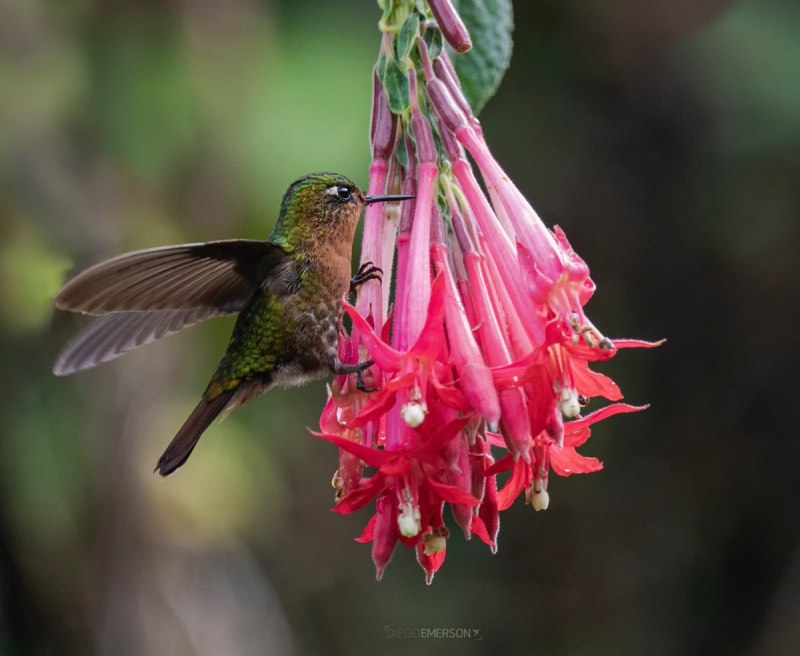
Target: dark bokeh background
[[663, 135]]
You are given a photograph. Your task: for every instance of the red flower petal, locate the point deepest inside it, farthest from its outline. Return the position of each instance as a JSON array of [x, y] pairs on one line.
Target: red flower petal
[[479, 529], [520, 477], [495, 439], [450, 396], [430, 563], [568, 461], [517, 373], [361, 496], [636, 343], [397, 464], [603, 413], [575, 438], [591, 383], [369, 530], [431, 338], [386, 330], [453, 494], [373, 457], [383, 355], [438, 437], [377, 406], [503, 464]]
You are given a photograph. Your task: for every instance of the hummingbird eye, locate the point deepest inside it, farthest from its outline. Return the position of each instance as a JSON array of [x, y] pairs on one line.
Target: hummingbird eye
[[343, 194]]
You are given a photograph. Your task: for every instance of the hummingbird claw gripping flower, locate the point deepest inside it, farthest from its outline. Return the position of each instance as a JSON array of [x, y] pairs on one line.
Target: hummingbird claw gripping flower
[[482, 367]]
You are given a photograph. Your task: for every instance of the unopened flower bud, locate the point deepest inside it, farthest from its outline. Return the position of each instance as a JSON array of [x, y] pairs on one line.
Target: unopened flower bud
[[423, 138], [447, 108], [383, 123], [453, 29], [452, 148], [446, 73]]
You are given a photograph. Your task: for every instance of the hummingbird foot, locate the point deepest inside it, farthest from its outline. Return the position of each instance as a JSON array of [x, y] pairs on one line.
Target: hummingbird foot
[[357, 369], [367, 271], [360, 386]]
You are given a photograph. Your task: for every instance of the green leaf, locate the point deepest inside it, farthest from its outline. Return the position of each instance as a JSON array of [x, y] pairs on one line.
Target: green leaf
[[400, 153], [490, 23], [395, 83], [434, 41], [407, 36]]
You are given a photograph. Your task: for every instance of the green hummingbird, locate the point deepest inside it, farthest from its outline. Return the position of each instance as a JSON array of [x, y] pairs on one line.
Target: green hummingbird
[[287, 290]]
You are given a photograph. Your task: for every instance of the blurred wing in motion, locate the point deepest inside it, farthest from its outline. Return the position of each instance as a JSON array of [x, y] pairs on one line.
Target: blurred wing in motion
[[149, 294], [116, 333], [222, 275]]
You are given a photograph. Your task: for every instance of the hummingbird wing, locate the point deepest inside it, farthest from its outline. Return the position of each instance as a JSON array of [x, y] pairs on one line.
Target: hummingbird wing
[[116, 333], [146, 295], [220, 275]]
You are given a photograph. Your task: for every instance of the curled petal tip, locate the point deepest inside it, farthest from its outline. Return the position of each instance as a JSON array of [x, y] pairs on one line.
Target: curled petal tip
[[637, 343]]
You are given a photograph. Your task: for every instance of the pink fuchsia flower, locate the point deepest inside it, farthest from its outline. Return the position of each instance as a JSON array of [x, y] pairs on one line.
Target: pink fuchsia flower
[[408, 372], [487, 346], [412, 485], [563, 459]]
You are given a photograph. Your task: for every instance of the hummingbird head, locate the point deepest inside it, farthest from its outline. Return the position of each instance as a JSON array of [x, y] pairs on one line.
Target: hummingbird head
[[322, 207], [328, 198]]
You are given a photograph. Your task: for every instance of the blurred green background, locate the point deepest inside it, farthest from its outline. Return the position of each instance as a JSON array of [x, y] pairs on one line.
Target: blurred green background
[[663, 135]]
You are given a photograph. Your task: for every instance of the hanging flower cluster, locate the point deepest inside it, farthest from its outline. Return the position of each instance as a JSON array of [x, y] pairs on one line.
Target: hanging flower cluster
[[481, 362]]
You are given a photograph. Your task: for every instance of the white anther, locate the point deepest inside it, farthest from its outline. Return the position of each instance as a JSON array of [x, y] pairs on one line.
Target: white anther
[[568, 403], [408, 521], [413, 414], [540, 500]]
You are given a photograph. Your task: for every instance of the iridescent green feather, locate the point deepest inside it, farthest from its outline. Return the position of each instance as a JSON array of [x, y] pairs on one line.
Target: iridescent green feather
[[258, 339]]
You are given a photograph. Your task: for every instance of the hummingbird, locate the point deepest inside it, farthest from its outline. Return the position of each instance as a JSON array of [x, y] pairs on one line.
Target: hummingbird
[[287, 291]]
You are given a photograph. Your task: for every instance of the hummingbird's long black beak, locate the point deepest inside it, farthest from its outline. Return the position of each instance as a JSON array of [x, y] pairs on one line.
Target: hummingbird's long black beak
[[387, 198]]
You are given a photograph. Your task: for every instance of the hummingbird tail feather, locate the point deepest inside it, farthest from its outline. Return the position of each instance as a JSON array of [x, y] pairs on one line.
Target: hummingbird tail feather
[[184, 442]]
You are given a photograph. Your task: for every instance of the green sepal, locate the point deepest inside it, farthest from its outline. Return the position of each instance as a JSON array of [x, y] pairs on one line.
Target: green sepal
[[401, 153], [490, 23]]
